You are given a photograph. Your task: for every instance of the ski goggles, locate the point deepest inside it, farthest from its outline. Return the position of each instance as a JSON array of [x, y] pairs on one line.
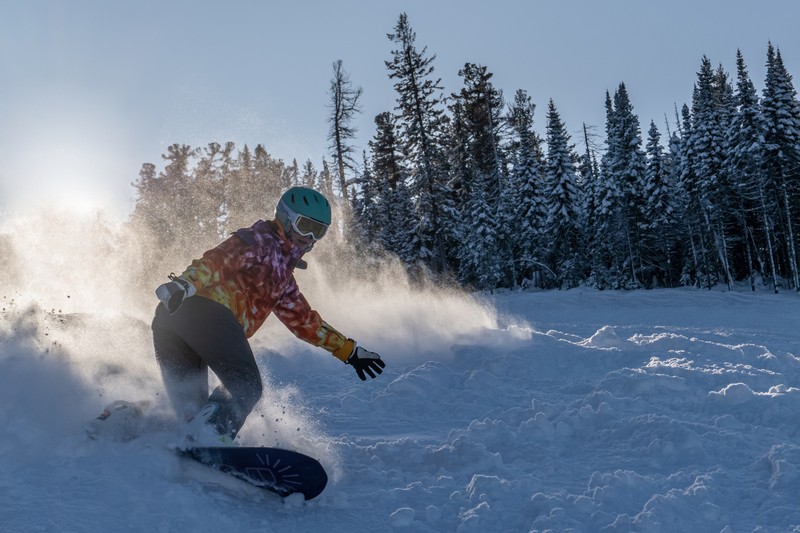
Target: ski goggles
[[305, 226]]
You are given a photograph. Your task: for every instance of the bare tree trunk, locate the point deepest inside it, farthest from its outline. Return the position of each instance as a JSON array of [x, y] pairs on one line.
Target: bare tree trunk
[[749, 256], [344, 105], [694, 250], [765, 218], [720, 245], [790, 246]]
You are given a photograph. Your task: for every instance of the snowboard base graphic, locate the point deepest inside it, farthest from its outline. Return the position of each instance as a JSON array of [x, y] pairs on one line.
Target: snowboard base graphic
[[283, 472]]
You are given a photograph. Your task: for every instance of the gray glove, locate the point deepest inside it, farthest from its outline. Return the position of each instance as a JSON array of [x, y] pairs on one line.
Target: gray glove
[[173, 293], [365, 362]]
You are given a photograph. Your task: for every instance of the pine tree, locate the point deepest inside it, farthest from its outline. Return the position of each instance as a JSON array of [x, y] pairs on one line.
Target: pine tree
[[478, 258], [343, 105], [458, 161], [151, 213], [245, 195], [177, 185], [174, 208], [589, 183], [696, 270], [421, 121], [684, 264], [292, 176], [152, 226], [630, 172], [490, 197], [706, 185], [563, 199], [309, 176], [617, 260], [391, 209], [366, 215], [728, 212], [605, 220], [325, 183], [744, 162], [480, 264], [268, 173], [208, 192], [527, 209], [782, 156], [659, 226]]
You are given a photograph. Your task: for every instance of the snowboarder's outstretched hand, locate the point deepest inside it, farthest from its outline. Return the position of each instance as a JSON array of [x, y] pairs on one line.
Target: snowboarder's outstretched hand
[[173, 293], [365, 363]]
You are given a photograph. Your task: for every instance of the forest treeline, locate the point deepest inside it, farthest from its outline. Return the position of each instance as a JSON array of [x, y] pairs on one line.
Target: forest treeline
[[460, 186]]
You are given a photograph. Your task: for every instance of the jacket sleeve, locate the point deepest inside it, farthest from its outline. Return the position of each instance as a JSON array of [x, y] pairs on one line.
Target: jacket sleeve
[[296, 314]]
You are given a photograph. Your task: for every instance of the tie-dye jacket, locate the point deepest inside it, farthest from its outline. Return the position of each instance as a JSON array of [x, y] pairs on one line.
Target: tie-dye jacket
[[252, 274]]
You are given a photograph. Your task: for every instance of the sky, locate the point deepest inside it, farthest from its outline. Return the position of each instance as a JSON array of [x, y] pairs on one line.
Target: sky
[[91, 89]]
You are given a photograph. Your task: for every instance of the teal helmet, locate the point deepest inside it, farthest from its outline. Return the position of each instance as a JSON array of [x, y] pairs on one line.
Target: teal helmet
[[305, 211]]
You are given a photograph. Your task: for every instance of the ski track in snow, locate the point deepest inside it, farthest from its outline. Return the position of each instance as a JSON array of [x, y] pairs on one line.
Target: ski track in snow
[[666, 410]]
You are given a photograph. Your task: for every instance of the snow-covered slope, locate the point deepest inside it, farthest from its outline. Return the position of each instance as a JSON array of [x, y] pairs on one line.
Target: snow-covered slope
[[666, 410]]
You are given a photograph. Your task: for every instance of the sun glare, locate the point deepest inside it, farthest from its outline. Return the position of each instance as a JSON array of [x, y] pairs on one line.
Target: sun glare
[[74, 159]]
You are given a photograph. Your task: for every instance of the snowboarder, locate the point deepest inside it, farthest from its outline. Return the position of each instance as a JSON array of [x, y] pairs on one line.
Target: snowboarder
[[207, 314]]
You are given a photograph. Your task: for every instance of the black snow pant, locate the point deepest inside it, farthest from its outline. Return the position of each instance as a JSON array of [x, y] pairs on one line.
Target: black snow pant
[[204, 334]]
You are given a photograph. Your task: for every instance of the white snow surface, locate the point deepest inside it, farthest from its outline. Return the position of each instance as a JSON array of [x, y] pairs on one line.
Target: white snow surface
[[648, 411]]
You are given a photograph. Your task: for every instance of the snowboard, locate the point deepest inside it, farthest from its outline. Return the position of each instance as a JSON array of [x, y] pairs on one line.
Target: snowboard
[[283, 472]]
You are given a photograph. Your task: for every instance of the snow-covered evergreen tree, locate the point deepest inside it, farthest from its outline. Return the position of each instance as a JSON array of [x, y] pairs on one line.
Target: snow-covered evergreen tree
[[309, 176], [292, 176], [269, 174], [207, 195], [782, 157], [363, 204], [391, 206], [458, 162], [744, 163], [683, 264], [421, 121], [489, 198], [244, 195], [526, 182], [563, 201], [178, 182], [658, 231], [695, 270], [616, 255], [480, 263], [589, 179], [325, 181], [151, 214], [707, 187]]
